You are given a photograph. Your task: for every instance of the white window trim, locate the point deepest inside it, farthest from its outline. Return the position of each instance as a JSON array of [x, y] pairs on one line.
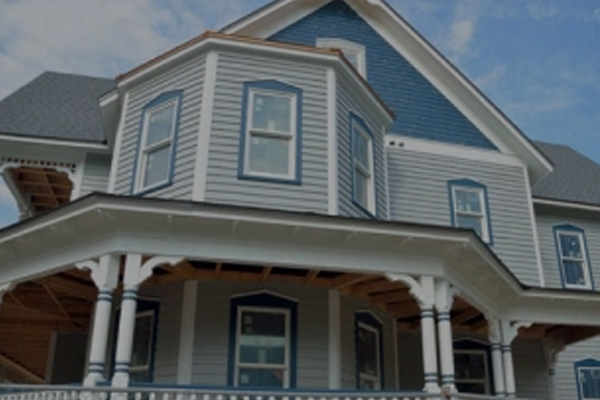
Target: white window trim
[[286, 366], [579, 381], [485, 229], [367, 171], [372, 378], [350, 47], [486, 380], [144, 150], [146, 367], [290, 136], [583, 260]]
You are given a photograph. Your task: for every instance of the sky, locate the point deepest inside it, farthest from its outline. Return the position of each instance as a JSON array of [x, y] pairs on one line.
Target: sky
[[537, 60]]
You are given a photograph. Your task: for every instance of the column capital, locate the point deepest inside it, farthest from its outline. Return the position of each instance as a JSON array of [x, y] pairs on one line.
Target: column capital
[[104, 271], [422, 289], [136, 271], [444, 295], [510, 330]]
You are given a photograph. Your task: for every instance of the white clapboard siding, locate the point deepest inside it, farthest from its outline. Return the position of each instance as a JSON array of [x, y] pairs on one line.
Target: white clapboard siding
[[531, 370], [223, 184], [419, 193], [188, 77], [95, 174], [566, 381], [349, 101], [546, 220]]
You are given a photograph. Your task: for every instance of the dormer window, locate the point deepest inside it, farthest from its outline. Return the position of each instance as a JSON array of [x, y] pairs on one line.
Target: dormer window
[[355, 53], [271, 129], [156, 148], [469, 207]]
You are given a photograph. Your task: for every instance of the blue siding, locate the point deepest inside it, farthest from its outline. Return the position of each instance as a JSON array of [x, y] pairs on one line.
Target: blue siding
[[421, 110]]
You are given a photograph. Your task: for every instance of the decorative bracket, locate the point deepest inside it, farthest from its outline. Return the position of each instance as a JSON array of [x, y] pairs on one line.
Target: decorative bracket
[[105, 271], [137, 272], [422, 290], [510, 330]]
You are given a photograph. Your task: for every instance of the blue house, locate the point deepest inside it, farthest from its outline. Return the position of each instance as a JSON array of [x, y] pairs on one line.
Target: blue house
[[311, 203]]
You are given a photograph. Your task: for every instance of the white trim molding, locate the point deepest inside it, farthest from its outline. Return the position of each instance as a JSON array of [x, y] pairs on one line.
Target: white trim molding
[[566, 204], [185, 359], [112, 180], [332, 144], [334, 342]]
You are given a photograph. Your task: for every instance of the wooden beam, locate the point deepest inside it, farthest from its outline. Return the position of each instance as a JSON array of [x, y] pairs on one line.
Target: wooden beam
[[20, 370], [391, 296], [70, 287], [465, 316], [311, 276], [381, 285], [265, 273], [349, 279], [15, 299], [404, 310], [58, 303], [218, 268]]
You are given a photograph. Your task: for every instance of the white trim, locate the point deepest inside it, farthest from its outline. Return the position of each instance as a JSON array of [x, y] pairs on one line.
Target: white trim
[[346, 47], [398, 142], [108, 98], [534, 230], [387, 179], [334, 340], [185, 359], [54, 142], [112, 180], [566, 204], [51, 356], [332, 144], [206, 115], [78, 178]]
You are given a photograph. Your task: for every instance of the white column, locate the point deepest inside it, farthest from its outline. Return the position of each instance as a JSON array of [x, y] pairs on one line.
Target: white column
[[187, 333], [105, 274], [495, 338], [509, 333], [554, 345], [136, 272], [335, 348], [443, 304]]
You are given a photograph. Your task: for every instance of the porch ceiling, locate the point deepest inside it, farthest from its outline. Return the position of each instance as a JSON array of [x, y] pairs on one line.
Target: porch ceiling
[[45, 188]]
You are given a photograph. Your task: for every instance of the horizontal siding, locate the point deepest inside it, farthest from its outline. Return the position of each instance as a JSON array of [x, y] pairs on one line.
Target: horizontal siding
[[419, 193], [546, 220], [95, 174], [189, 77], [349, 101], [223, 184], [531, 371], [212, 331], [566, 381]]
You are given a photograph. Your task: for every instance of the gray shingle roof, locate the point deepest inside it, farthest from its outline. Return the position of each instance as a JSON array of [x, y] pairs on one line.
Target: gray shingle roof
[[576, 178], [56, 106]]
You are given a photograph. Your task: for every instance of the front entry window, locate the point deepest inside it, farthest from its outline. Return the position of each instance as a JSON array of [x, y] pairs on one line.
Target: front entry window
[[368, 352], [141, 354], [471, 371]]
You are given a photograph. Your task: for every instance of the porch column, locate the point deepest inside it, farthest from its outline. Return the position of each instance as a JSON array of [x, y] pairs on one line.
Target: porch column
[[136, 272], [444, 294], [553, 345], [495, 338], [423, 291], [105, 274], [509, 333]]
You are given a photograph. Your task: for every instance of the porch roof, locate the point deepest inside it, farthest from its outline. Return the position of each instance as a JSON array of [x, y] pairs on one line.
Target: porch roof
[[100, 223]]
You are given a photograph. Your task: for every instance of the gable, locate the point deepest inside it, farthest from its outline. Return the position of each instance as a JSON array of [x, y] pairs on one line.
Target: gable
[[421, 110]]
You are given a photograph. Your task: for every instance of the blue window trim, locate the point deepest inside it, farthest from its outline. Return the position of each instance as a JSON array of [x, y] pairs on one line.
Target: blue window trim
[[162, 98], [587, 363], [367, 318], [470, 344], [471, 184], [356, 119], [274, 86], [263, 300], [572, 229]]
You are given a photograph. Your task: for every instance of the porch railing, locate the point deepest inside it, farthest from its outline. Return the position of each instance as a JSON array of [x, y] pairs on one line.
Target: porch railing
[[29, 392]]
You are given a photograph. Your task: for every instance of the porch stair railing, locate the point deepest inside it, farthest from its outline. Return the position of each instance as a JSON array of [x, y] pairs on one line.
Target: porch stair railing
[[31, 392]]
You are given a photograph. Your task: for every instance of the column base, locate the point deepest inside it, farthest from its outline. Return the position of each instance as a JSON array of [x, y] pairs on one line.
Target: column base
[[92, 379], [432, 387], [120, 380]]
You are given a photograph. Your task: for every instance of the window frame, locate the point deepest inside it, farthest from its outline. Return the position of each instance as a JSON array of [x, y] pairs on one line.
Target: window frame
[[165, 100], [470, 185], [358, 126], [267, 302], [148, 366], [587, 364], [366, 320], [278, 89], [572, 230], [347, 46], [487, 381]]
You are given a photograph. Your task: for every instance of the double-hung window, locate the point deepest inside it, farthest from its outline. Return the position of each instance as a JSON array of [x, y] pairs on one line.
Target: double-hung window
[[469, 207], [141, 355], [588, 379], [262, 351], [572, 254], [157, 143], [271, 132], [368, 352], [362, 165], [355, 53], [471, 371]]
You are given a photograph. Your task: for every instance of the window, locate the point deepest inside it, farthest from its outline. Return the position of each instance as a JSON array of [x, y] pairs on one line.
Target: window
[[355, 53], [587, 373], [471, 371], [362, 165], [572, 257], [156, 151], [369, 363], [262, 352], [271, 129], [469, 207]]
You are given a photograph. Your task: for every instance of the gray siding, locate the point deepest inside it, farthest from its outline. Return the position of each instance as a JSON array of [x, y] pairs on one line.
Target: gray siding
[[546, 219], [212, 331], [349, 101], [566, 382], [349, 307], [419, 193], [95, 174], [531, 371], [189, 77], [223, 185]]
